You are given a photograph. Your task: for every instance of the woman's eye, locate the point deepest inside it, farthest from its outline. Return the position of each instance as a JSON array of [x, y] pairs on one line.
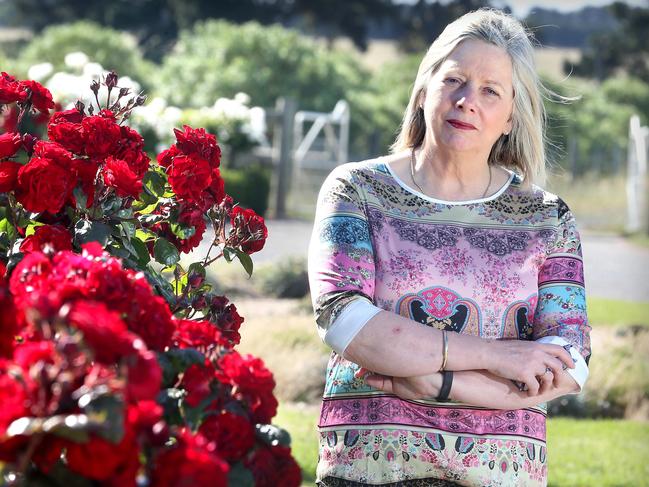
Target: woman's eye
[[491, 91], [452, 80]]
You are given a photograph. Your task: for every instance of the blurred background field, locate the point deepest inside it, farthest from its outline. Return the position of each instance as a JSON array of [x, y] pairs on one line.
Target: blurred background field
[[224, 65]]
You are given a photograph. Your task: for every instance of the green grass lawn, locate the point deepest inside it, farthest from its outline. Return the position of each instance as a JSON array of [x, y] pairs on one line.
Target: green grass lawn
[[580, 452], [607, 312]]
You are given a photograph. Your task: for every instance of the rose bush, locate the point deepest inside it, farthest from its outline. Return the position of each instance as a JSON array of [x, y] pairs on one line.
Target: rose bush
[[118, 364]]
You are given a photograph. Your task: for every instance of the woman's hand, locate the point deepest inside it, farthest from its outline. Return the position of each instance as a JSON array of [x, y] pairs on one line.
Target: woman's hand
[[535, 366], [419, 387]]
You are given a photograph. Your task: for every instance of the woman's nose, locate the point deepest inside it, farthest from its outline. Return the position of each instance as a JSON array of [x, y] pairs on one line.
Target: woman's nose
[[465, 98]]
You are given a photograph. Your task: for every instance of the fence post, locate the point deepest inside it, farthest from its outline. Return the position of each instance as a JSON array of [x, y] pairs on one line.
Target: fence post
[[286, 108], [637, 210]]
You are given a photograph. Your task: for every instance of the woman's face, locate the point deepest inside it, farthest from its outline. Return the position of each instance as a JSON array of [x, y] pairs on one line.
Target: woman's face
[[468, 101]]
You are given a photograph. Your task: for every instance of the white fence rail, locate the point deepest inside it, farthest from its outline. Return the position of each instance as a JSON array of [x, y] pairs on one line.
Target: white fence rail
[[636, 183]]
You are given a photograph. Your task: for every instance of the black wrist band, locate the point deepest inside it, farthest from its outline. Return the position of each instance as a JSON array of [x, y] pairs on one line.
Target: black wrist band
[[447, 382]]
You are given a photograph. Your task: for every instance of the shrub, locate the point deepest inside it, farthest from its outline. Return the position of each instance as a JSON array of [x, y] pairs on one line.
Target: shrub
[[113, 49], [286, 279], [249, 186]]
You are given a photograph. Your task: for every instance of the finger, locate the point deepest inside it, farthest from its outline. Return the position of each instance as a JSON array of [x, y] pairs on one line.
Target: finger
[[556, 367], [361, 372], [546, 381], [532, 386], [381, 382], [560, 353]]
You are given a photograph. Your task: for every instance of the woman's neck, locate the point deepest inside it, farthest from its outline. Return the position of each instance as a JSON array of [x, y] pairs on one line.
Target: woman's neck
[[455, 176]]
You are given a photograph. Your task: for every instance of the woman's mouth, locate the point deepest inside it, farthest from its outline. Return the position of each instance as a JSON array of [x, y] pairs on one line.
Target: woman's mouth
[[461, 125]]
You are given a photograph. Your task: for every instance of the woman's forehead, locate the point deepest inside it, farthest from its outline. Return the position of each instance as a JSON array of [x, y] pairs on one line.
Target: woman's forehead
[[488, 61]]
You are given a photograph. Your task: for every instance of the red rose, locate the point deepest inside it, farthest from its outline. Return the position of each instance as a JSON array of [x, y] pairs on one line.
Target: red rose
[[54, 152], [165, 158], [86, 171], [29, 353], [274, 466], [8, 175], [191, 462], [249, 229], [65, 128], [43, 185], [197, 142], [196, 381], [39, 96], [130, 148], [226, 317], [144, 377], [254, 382], [201, 335], [103, 330], [47, 238], [30, 279], [118, 175], [8, 324], [233, 435], [189, 176], [189, 216], [101, 136], [154, 323], [9, 144], [99, 459], [11, 90], [14, 397]]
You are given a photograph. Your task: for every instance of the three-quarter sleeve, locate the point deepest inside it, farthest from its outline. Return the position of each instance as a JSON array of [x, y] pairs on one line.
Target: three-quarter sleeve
[[341, 261], [560, 316]]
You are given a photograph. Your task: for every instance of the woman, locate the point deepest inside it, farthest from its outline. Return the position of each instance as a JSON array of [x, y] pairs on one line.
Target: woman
[[452, 277]]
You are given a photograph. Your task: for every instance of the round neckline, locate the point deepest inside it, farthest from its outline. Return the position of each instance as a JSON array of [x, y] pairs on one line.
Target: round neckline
[[500, 191]]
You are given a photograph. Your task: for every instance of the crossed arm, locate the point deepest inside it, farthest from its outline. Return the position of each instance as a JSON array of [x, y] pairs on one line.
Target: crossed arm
[[483, 370]]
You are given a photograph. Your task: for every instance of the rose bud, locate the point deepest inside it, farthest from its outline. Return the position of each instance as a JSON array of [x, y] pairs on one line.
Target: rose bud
[[195, 279], [140, 100], [111, 80], [80, 106], [199, 302], [94, 86], [28, 143]]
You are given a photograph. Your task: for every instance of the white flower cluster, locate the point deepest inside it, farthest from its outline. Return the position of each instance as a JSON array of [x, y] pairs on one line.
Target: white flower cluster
[[74, 84], [250, 120]]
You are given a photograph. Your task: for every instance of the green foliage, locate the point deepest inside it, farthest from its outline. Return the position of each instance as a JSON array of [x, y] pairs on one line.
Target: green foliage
[[286, 279], [632, 92], [113, 49], [249, 186], [379, 106], [590, 133], [219, 59]]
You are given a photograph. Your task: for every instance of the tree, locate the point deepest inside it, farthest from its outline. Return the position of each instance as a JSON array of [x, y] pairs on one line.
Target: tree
[[156, 23], [625, 48]]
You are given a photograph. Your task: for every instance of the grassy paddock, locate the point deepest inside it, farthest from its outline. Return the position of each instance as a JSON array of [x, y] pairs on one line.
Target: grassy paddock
[[580, 452], [612, 312]]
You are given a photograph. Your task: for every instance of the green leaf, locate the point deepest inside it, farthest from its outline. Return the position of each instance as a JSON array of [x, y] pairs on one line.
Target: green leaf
[[146, 203], [240, 476], [8, 229], [229, 253], [129, 229], [151, 219], [273, 435], [106, 412], [154, 183], [170, 400], [165, 252], [246, 261], [112, 205], [144, 235], [91, 231], [197, 268], [183, 358], [31, 228], [183, 232], [141, 250], [81, 198]]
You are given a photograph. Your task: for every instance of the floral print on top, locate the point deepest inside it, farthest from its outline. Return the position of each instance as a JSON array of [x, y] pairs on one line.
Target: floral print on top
[[504, 267]]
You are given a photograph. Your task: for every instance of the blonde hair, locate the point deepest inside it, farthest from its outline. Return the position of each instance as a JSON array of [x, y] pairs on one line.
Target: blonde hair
[[523, 150]]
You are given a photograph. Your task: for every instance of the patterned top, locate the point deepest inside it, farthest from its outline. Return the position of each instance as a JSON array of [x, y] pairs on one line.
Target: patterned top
[[505, 266]]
